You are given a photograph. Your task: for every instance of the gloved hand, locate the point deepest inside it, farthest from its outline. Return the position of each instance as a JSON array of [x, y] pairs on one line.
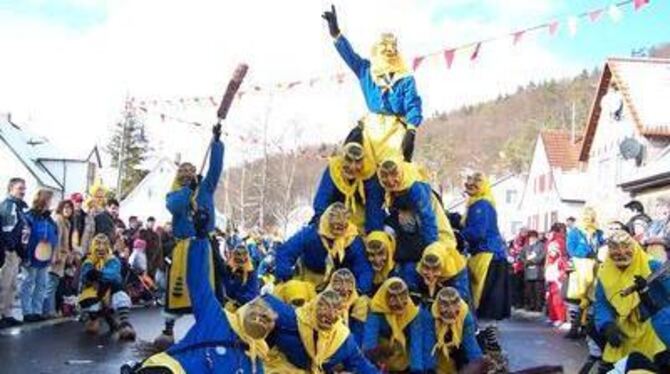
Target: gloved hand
[[200, 220], [613, 335], [331, 18], [408, 144], [194, 184], [640, 284], [216, 131]]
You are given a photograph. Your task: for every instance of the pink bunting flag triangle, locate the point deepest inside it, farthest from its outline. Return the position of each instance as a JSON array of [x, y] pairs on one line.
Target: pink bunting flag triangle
[[449, 55]]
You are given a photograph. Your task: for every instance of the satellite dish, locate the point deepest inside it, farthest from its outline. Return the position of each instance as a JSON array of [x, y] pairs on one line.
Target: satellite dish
[[631, 149]]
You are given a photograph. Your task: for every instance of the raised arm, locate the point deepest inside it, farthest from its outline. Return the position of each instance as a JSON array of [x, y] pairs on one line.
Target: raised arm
[[215, 166], [356, 63]]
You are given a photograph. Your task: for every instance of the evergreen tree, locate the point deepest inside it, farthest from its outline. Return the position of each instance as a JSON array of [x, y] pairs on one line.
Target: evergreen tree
[[128, 144]]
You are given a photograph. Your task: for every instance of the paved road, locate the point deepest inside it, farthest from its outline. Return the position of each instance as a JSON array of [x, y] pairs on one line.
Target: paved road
[[47, 348]]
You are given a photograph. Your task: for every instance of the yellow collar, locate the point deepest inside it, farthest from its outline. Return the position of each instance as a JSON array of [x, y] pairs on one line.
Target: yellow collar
[[614, 280], [396, 322], [258, 348], [441, 328], [328, 342]]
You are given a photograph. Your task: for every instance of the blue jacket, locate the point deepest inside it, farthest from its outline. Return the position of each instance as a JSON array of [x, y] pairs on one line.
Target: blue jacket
[[287, 339], [110, 273], [468, 351], [238, 292], [42, 228], [402, 100], [210, 346], [376, 327], [418, 198], [659, 291], [12, 222], [580, 246], [327, 194], [306, 244], [481, 230], [178, 202]]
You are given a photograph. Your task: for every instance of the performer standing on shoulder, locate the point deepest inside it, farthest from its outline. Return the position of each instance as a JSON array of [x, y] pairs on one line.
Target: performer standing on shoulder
[[390, 94]]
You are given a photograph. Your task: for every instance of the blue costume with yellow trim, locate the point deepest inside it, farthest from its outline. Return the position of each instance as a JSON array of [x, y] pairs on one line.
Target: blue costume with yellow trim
[[307, 246], [401, 99], [179, 203], [481, 230], [286, 338]]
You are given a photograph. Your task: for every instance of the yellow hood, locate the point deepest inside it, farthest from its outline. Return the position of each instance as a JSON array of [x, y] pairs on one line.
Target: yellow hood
[[381, 66], [97, 261], [389, 242], [379, 304], [295, 289], [614, 280], [258, 348], [451, 263], [349, 188], [336, 249]]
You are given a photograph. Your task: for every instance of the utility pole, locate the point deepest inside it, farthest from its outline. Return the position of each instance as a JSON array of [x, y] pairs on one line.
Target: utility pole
[[572, 123]]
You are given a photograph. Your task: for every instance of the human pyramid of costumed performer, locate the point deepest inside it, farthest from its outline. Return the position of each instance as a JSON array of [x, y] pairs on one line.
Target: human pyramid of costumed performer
[[377, 281]]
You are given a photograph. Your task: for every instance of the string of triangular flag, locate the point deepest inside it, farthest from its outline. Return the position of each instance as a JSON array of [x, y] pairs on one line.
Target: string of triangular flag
[[473, 50]]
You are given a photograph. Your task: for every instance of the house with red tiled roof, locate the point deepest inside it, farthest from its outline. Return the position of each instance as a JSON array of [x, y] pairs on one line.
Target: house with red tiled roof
[[627, 136], [554, 186]]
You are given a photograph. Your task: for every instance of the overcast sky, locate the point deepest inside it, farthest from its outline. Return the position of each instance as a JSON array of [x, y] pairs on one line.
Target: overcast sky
[[67, 65]]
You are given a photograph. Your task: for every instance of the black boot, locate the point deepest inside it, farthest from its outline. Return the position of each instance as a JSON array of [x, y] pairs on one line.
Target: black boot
[[575, 324]]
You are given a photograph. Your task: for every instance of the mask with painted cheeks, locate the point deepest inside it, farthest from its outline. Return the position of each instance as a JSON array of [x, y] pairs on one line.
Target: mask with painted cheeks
[[258, 319], [397, 297], [387, 46], [621, 249], [352, 156], [448, 305], [102, 245], [338, 219], [343, 282], [430, 268], [186, 174], [473, 183], [390, 175], [328, 309], [377, 254]]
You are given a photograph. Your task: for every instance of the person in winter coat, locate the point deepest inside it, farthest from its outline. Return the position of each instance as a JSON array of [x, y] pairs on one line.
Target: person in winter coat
[[62, 254], [488, 265], [452, 339], [624, 318], [555, 274], [102, 295], [13, 237], [514, 258], [151, 236], [333, 244], [40, 250], [533, 256], [390, 94], [394, 335], [351, 179]]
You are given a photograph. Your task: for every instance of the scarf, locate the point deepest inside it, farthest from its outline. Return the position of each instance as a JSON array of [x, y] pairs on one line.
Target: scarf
[[328, 342], [294, 290], [258, 348], [337, 249], [346, 187], [98, 262], [442, 328], [397, 323], [389, 243], [409, 174]]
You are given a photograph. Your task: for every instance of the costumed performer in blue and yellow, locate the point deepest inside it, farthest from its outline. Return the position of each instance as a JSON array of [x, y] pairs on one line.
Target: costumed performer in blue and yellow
[[351, 178], [390, 94], [380, 248], [220, 341], [409, 196], [332, 244], [355, 307], [624, 320], [582, 245], [394, 337], [239, 277], [434, 269], [189, 194], [102, 293], [488, 265], [453, 335], [313, 339]]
